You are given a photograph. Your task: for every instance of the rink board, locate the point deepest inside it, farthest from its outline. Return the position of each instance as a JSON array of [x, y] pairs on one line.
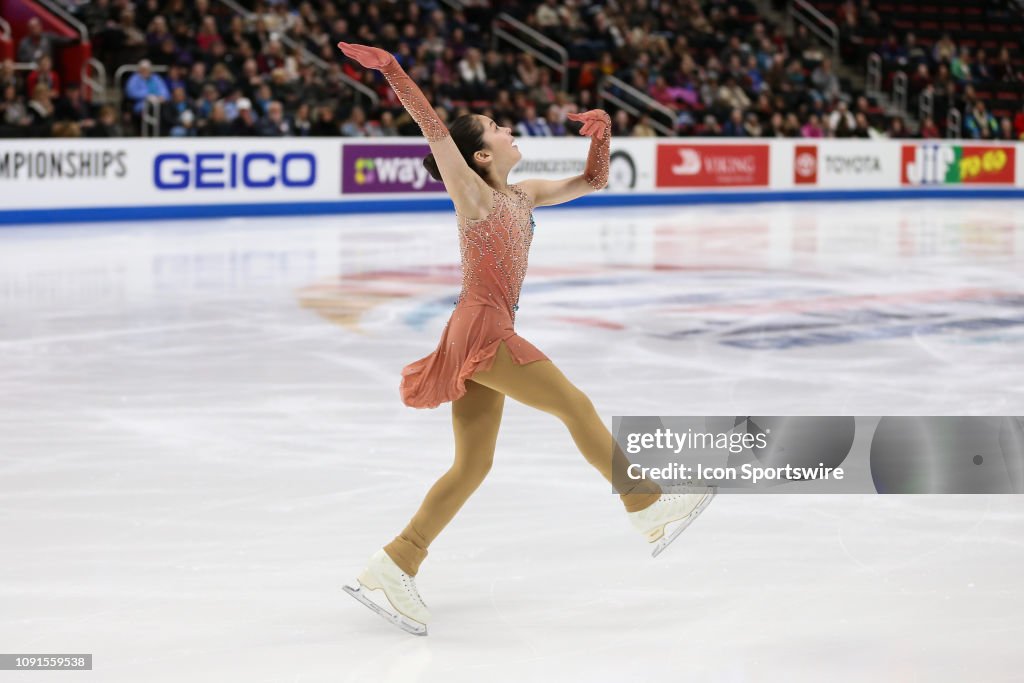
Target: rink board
[[129, 179]]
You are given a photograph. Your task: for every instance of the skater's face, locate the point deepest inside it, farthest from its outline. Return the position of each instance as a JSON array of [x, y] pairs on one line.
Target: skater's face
[[500, 148]]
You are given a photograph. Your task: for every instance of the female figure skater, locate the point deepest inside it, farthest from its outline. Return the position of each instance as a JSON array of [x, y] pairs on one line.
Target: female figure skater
[[480, 359]]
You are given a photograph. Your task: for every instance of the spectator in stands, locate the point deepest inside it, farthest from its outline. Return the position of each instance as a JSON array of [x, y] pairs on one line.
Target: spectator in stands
[[106, 124], [356, 125], [208, 34], [928, 129], [71, 106], [961, 67], [178, 105], [13, 111], [527, 73], [825, 82], [643, 128], [129, 39], [915, 53], [325, 125], [274, 124], [145, 85], [36, 43], [812, 129], [531, 124], [43, 73], [556, 123], [863, 128], [1006, 129], [982, 72], [897, 129], [185, 125], [473, 74], [731, 95], [40, 108], [245, 123], [841, 123], [1018, 123], [733, 127], [979, 124], [944, 49], [301, 123], [218, 124], [1005, 70], [776, 126]]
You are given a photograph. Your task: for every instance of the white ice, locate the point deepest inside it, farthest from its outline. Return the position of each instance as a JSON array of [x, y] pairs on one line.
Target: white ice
[[201, 440]]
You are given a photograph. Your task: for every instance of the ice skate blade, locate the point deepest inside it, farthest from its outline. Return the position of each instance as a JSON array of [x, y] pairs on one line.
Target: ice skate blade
[[360, 593], [683, 523]]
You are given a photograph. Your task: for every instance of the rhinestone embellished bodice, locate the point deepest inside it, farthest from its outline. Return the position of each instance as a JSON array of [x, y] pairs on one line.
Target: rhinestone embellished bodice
[[494, 252]]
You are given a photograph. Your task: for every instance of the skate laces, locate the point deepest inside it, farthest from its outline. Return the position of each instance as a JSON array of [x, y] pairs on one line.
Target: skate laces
[[410, 589]]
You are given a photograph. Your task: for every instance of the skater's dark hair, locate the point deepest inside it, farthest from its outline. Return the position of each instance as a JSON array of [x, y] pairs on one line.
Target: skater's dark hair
[[468, 134]]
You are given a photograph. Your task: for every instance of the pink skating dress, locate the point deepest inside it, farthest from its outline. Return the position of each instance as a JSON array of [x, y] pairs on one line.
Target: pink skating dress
[[494, 252]]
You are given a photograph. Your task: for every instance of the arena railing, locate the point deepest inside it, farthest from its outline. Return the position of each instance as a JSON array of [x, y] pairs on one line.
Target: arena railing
[[954, 121], [899, 91], [803, 12], [361, 89], [926, 104], [873, 81], [606, 91], [561, 64]]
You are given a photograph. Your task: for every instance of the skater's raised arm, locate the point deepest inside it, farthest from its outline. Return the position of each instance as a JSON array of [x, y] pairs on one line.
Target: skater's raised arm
[[598, 125], [467, 189]]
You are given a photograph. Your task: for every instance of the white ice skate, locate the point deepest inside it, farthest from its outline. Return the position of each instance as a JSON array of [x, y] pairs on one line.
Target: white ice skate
[[669, 516], [391, 593]]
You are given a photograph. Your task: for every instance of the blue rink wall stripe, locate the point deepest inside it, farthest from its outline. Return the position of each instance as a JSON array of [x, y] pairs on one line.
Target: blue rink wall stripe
[[382, 205]]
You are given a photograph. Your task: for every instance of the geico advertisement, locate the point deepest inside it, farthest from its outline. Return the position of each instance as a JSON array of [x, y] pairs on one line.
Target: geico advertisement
[[40, 174]]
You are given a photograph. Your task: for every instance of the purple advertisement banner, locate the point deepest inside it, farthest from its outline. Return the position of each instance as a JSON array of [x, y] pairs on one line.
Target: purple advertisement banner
[[367, 169]]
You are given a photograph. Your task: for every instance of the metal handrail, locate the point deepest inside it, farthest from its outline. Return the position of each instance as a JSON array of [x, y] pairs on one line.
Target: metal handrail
[[873, 81], [131, 68], [97, 85], [150, 119], [899, 91], [926, 104], [652, 104], [954, 121], [67, 17], [25, 66], [561, 65], [825, 29], [309, 56]]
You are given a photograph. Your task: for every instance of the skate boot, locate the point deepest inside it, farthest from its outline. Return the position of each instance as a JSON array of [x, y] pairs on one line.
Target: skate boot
[[663, 521], [391, 593]]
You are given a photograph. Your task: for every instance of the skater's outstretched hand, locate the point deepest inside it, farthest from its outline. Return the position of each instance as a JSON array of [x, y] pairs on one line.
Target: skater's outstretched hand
[[595, 122], [368, 57]]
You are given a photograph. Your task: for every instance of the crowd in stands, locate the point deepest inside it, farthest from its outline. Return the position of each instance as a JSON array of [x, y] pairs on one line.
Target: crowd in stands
[[716, 66]]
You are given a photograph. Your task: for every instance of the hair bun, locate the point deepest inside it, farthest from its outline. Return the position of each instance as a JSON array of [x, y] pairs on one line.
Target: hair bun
[[430, 163]]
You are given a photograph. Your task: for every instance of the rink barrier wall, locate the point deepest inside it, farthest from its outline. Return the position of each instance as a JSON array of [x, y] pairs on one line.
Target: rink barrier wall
[[62, 180]]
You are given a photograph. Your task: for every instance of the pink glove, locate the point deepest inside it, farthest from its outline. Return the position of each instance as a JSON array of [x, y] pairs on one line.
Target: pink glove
[[598, 125], [408, 92]]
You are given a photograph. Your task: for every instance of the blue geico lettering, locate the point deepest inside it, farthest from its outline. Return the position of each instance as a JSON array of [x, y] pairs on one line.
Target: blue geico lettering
[[175, 171]]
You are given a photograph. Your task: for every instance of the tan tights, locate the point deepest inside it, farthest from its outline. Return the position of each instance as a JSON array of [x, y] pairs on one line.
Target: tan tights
[[476, 417]]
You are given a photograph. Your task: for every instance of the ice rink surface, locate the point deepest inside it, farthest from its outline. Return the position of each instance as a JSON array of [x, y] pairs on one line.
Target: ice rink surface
[[201, 440]]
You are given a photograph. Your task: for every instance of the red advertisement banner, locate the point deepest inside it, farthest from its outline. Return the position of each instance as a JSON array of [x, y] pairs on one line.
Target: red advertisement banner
[[805, 165], [698, 165]]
